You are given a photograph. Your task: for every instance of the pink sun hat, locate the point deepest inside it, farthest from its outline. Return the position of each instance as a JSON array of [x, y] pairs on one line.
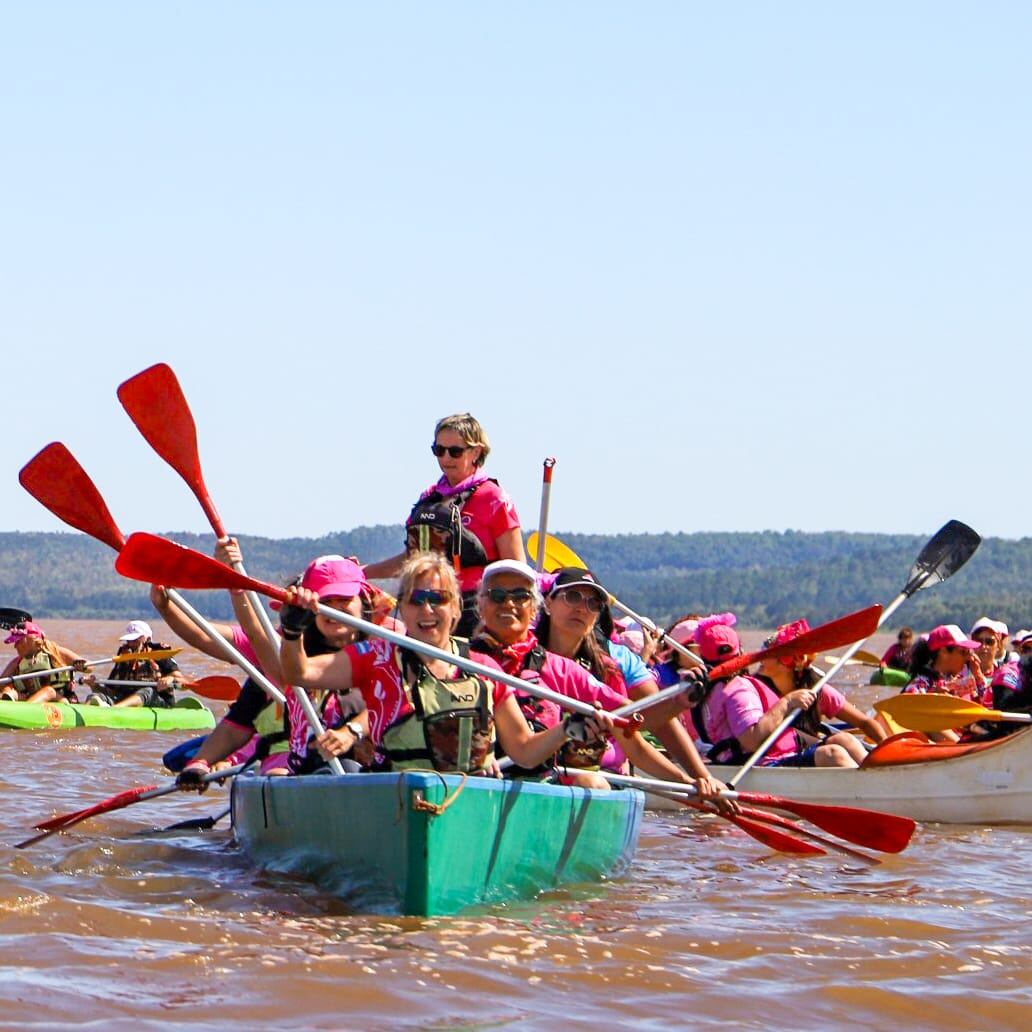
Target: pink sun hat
[[332, 575], [947, 635], [25, 630]]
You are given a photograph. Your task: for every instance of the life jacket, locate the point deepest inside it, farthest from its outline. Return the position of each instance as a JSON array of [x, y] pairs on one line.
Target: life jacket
[[451, 726], [435, 525], [42, 662]]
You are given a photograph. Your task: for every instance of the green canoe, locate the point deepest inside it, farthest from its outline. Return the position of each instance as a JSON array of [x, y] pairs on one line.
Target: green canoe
[[890, 676], [367, 838], [188, 714]]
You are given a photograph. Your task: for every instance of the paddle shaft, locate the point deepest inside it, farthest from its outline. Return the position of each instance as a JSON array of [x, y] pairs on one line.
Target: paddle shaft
[[650, 626], [546, 493], [129, 658], [790, 718]]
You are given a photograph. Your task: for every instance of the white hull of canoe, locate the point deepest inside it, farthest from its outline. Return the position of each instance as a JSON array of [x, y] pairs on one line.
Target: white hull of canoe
[[993, 786]]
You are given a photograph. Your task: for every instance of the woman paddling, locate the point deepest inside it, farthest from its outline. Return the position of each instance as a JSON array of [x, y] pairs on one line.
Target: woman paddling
[[509, 600], [738, 715], [36, 655], [424, 713], [282, 733], [567, 626], [464, 516], [159, 676]]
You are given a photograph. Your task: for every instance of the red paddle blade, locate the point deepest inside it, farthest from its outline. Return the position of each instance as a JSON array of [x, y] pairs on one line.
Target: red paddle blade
[[220, 688], [155, 560], [156, 404], [56, 480], [776, 840], [885, 832], [843, 631], [115, 802], [765, 817]]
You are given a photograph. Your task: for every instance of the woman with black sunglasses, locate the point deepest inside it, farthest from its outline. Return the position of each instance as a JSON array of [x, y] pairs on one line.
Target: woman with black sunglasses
[[465, 515]]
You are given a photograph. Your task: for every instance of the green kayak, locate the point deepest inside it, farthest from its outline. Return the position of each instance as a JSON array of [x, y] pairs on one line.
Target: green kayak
[[891, 677], [377, 840], [188, 714]]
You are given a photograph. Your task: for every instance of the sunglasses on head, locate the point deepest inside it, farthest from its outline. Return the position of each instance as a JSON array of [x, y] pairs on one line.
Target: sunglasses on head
[[454, 450], [574, 597], [518, 596], [421, 596]]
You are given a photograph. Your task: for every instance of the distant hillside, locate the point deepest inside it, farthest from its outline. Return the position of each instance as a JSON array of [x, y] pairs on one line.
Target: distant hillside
[[767, 578]]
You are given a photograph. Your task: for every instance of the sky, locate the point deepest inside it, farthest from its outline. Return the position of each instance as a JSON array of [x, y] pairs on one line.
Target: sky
[[735, 266]]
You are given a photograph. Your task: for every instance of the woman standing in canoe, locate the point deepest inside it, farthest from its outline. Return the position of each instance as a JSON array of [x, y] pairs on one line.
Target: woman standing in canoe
[[464, 516], [567, 626], [738, 715], [36, 654], [424, 712]]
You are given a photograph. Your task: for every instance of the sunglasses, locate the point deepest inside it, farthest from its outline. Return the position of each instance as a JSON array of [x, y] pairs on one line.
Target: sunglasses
[[518, 596], [422, 596], [454, 450], [986, 641], [575, 597], [1026, 648]]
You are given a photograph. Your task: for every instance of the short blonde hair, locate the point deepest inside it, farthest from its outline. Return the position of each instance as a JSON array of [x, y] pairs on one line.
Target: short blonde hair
[[426, 564], [467, 427]]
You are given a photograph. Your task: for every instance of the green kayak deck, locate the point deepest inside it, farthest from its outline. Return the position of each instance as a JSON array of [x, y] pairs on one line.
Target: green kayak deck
[[371, 838], [188, 714]]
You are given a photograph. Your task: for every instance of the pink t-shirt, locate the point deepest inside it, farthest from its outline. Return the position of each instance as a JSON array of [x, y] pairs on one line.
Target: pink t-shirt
[[735, 706], [488, 513]]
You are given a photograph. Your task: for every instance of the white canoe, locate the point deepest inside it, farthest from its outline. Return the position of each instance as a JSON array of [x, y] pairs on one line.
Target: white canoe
[[989, 785]]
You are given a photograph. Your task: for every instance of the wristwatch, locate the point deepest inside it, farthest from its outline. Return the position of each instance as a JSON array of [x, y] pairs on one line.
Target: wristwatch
[[356, 729]]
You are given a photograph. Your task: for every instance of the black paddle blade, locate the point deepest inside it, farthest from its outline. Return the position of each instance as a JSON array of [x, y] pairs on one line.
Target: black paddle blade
[[950, 548], [10, 618]]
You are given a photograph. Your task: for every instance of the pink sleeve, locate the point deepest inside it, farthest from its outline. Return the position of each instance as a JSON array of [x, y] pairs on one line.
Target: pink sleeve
[[831, 701], [363, 658], [501, 691], [499, 511], [243, 645], [743, 706]]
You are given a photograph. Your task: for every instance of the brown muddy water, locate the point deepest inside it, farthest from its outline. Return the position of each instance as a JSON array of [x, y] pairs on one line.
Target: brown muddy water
[[115, 925]]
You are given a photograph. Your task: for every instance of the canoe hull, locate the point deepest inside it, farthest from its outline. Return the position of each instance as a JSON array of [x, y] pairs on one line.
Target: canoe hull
[[992, 786], [187, 715], [366, 838]]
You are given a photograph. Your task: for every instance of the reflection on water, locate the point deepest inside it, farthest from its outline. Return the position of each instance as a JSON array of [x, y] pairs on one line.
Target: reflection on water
[[110, 925]]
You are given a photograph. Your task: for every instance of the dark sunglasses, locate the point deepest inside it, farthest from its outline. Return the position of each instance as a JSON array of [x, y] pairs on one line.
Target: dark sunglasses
[[454, 450], [518, 596], [574, 597], [1026, 648], [421, 596], [986, 641]]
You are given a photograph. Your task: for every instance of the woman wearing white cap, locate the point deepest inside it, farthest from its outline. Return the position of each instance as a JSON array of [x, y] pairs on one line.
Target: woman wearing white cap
[[161, 673]]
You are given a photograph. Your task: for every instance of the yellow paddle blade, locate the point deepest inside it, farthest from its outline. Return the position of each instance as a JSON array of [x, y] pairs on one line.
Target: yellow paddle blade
[[867, 657], [557, 555], [139, 657], [932, 712]]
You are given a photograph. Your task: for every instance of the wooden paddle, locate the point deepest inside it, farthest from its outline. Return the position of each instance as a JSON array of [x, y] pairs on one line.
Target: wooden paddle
[[884, 832], [117, 802], [10, 618], [156, 404], [546, 493], [946, 552], [860, 658], [935, 712], [129, 657]]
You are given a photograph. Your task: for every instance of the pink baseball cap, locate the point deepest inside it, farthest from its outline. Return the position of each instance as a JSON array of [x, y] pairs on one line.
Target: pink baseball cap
[[25, 630], [684, 632], [332, 575], [950, 635], [717, 642]]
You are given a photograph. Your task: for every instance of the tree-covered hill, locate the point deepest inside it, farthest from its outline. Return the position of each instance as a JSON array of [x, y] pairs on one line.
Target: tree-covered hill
[[767, 578]]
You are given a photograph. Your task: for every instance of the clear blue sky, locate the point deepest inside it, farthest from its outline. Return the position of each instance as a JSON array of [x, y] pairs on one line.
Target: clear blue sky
[[738, 266]]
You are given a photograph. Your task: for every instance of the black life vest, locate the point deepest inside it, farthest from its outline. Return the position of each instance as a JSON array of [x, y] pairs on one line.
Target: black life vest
[[435, 525]]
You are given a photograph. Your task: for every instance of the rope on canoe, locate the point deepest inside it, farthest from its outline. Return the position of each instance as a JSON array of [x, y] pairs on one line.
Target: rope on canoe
[[449, 797]]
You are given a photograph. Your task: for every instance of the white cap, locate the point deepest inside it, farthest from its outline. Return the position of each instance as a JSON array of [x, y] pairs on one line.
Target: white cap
[[509, 566], [136, 629], [1020, 636], [984, 623]]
